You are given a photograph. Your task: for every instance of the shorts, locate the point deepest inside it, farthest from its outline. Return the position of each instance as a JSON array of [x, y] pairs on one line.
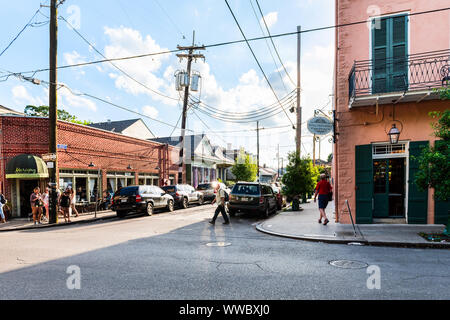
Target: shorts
[[323, 201]]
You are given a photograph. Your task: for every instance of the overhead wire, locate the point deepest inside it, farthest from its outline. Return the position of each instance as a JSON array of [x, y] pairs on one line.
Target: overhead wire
[[273, 44], [257, 61]]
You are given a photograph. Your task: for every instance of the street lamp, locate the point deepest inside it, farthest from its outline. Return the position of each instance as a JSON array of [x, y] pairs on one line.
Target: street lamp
[[91, 165], [394, 134]]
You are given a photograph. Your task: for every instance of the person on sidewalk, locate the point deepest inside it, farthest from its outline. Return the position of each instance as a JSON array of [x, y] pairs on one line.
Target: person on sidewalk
[[72, 202], [64, 204], [220, 199], [2, 203], [36, 205], [323, 189], [45, 200]]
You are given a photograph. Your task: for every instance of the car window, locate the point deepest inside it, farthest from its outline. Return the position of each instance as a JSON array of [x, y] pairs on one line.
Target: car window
[[129, 191], [169, 189], [204, 186], [250, 189], [158, 190]]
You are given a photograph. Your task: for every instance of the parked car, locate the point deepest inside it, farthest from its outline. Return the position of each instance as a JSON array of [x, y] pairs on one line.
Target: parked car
[[141, 199], [208, 190], [184, 194], [281, 200], [252, 197]]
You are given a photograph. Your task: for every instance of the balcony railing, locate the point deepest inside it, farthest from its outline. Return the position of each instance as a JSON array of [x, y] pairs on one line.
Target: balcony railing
[[415, 72]]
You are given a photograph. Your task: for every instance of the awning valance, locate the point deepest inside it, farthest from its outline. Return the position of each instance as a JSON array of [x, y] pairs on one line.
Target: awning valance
[[26, 166]]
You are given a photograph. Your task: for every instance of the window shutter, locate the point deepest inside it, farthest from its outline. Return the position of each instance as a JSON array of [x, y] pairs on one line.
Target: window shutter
[[399, 81], [417, 199], [364, 183], [380, 54]]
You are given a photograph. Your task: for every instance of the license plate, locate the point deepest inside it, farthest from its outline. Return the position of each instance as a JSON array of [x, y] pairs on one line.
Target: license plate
[[124, 200], [244, 199]]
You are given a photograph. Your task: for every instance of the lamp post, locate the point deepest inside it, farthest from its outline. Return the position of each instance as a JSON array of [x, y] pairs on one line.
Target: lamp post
[[91, 165], [394, 134]]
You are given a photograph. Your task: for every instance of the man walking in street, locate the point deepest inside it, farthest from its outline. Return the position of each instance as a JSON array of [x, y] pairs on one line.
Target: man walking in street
[[220, 199]]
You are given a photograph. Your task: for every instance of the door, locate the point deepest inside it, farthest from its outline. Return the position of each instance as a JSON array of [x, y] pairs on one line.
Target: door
[[155, 194], [380, 188], [25, 190]]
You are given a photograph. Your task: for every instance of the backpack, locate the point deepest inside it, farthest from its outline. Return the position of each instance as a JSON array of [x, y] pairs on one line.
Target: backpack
[[2, 199], [65, 201], [227, 196]]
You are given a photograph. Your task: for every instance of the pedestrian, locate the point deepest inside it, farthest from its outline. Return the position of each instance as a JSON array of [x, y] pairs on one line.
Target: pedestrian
[[2, 203], [72, 203], [220, 199], [36, 205], [323, 189], [64, 204], [45, 200]]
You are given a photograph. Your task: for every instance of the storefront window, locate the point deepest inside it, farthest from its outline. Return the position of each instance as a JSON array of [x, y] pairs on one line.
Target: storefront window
[[130, 181], [81, 189], [93, 189], [141, 182], [65, 183]]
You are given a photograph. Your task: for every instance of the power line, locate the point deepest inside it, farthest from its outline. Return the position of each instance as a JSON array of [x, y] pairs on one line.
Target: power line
[[267, 43], [259, 65], [20, 32], [273, 44], [113, 64], [170, 19], [225, 43]]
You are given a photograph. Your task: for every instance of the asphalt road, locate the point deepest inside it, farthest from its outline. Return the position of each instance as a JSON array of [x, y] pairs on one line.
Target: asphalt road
[[169, 256]]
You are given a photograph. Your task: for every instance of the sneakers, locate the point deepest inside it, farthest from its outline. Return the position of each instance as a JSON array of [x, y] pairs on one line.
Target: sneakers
[[226, 222], [325, 222], [212, 222]]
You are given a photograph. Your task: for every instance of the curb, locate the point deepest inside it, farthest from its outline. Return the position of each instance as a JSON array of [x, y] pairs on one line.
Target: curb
[[37, 227], [430, 245]]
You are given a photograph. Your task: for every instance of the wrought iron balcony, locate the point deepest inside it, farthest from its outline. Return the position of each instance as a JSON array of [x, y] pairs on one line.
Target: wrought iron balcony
[[392, 80]]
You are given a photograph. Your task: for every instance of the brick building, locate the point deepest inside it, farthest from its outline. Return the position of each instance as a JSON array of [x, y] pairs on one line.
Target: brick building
[[85, 154], [386, 70]]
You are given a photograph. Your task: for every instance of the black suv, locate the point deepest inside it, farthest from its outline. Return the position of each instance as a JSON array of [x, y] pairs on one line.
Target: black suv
[[252, 197], [140, 199], [184, 194]]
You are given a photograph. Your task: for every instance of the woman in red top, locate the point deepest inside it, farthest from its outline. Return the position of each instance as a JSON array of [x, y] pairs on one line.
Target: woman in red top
[[323, 189]]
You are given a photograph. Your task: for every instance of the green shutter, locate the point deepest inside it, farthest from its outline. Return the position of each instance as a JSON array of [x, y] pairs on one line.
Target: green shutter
[[364, 183], [390, 52], [417, 199], [441, 207]]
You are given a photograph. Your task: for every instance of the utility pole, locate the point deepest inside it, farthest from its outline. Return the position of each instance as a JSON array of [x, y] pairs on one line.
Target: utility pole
[[189, 56], [52, 97], [257, 146], [314, 150], [298, 140], [278, 159]]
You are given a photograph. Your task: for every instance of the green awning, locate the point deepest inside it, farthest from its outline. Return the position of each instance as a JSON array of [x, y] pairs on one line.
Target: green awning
[[26, 166]]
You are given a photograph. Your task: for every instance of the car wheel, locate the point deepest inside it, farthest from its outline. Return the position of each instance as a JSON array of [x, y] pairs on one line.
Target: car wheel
[[185, 203], [149, 209], [201, 201], [121, 213], [170, 205]]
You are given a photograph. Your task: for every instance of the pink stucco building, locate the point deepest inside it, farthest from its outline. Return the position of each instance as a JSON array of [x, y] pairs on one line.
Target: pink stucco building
[[386, 69]]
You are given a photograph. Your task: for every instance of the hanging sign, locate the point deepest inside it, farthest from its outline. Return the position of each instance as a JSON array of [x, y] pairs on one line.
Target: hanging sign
[[320, 126]]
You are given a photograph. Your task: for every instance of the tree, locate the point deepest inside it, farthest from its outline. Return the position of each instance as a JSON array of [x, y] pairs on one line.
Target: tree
[[434, 162], [300, 177], [244, 169], [43, 111]]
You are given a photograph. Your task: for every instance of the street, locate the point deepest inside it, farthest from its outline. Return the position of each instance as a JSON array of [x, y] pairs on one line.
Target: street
[[180, 255]]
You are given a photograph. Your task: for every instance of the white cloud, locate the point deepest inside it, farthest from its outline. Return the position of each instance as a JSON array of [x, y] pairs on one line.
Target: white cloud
[[22, 96], [150, 111], [271, 18], [67, 101]]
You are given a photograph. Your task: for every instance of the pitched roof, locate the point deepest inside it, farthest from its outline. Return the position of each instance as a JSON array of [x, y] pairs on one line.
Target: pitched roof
[[115, 126], [8, 111]]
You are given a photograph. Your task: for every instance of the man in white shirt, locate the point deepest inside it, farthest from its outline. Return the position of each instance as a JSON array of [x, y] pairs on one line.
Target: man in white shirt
[[220, 199]]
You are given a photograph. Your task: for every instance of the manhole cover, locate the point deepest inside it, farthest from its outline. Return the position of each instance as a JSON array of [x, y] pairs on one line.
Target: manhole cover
[[218, 244], [348, 264]]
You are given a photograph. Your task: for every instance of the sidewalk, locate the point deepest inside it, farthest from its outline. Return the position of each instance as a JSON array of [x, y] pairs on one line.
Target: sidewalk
[[303, 225], [17, 224]]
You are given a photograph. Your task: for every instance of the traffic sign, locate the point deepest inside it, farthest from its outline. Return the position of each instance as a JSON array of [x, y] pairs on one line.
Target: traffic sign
[[49, 157], [320, 126]]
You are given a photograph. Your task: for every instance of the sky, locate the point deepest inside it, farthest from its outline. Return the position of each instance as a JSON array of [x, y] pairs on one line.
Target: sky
[[231, 80]]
